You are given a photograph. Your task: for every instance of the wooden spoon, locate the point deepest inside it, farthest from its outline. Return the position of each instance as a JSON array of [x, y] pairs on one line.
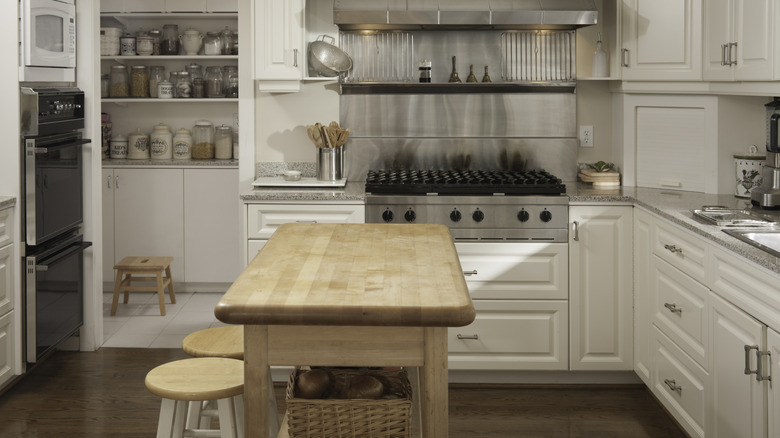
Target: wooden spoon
[[314, 135]]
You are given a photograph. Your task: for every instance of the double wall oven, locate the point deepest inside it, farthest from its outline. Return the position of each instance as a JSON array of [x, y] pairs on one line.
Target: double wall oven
[[53, 204]]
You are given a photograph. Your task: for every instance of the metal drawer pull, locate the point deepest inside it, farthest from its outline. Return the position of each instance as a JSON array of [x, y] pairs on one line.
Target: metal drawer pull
[[624, 55], [748, 371], [472, 272], [673, 308], [673, 385], [760, 368], [472, 337], [305, 222], [673, 248], [295, 57], [576, 231], [733, 54]]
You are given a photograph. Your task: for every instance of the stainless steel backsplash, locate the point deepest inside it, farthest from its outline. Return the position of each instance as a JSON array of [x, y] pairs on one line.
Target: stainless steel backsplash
[[476, 131]]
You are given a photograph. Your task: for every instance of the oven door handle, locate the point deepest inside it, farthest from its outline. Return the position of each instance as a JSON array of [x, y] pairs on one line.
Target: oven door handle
[[56, 147], [53, 260]]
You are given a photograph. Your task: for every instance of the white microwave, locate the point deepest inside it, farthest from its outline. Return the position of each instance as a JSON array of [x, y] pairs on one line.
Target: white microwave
[[47, 36]]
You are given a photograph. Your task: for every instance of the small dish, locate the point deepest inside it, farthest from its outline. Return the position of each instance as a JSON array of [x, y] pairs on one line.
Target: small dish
[[291, 175]]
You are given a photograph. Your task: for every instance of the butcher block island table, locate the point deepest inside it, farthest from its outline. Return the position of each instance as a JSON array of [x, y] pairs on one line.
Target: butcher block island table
[[350, 295]]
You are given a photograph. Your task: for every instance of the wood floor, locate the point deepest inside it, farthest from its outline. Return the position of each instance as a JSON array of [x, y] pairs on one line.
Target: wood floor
[[102, 394]]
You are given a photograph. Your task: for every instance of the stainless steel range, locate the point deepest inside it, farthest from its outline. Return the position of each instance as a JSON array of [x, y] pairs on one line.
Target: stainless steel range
[[500, 206]]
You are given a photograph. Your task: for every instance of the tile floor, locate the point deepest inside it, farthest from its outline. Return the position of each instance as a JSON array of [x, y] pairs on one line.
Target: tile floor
[[138, 323]]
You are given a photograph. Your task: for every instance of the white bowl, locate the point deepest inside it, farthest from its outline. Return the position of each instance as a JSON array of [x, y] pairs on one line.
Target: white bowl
[[291, 175]]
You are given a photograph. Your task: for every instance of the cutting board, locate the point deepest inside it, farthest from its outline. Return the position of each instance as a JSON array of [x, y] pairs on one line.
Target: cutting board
[[278, 181]]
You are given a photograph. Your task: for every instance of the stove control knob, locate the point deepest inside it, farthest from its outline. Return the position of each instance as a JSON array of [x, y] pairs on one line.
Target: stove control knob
[[478, 216], [387, 215], [455, 216], [523, 216], [545, 216], [410, 215]]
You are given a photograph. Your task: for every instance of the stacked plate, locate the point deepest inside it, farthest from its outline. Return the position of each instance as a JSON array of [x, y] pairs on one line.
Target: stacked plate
[[609, 178]]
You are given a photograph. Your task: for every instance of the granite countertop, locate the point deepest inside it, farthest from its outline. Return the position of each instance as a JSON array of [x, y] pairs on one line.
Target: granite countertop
[[672, 205], [7, 201], [170, 163]]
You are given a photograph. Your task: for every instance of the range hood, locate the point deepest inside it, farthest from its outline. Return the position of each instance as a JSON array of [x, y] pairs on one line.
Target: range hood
[[463, 14]]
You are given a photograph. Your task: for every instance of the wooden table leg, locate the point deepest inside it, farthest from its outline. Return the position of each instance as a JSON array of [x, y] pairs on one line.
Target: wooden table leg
[[256, 382], [433, 384]]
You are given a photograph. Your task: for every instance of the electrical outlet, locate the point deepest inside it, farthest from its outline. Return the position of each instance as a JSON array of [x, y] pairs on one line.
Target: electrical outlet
[[586, 136]]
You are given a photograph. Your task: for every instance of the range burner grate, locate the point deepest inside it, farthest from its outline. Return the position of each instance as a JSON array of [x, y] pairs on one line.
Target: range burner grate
[[463, 182]]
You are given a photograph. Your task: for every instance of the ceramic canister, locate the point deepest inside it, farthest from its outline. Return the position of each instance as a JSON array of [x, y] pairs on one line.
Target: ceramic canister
[[118, 147], [161, 143], [748, 171], [138, 145], [182, 145]]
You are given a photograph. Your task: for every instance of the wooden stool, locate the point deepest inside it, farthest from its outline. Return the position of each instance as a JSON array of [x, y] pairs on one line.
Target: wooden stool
[[143, 269], [193, 381], [226, 342]]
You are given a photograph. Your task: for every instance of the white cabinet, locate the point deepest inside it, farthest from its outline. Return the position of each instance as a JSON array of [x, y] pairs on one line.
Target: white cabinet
[[600, 282], [643, 253], [737, 398], [8, 357], [661, 40], [212, 231], [520, 292], [739, 40], [278, 44], [191, 215], [773, 347], [140, 6], [263, 219]]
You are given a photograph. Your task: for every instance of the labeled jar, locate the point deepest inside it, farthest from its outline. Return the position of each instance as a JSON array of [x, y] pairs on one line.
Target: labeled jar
[[119, 81], [203, 140], [182, 145], [139, 81], [144, 45], [160, 143], [164, 90], [183, 86], [213, 82], [212, 44], [138, 145], [156, 75], [223, 142], [127, 45], [425, 71], [118, 147], [169, 44]]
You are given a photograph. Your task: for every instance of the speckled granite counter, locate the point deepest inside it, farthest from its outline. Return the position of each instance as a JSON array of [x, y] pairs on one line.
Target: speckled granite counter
[[170, 163], [7, 201], [673, 205]]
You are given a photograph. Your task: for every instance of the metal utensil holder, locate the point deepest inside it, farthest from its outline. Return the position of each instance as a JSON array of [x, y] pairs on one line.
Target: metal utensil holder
[[330, 164]]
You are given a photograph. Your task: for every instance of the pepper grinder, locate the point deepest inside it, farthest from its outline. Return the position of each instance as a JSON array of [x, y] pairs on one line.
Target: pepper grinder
[[454, 75]]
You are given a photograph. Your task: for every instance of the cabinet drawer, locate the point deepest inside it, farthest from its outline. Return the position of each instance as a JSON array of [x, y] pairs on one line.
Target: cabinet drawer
[[679, 309], [6, 279], [253, 247], [684, 251], [515, 270], [680, 385], [6, 226], [512, 335], [6, 347], [264, 219]]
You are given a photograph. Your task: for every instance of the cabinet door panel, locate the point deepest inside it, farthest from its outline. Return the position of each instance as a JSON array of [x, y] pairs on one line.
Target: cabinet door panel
[[754, 35], [718, 31], [7, 357], [6, 226], [737, 399], [212, 237], [109, 260], [643, 253], [185, 5], [278, 41], [6, 279], [773, 346], [148, 208], [601, 288]]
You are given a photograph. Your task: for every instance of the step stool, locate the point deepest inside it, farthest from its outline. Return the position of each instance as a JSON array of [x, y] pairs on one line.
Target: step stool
[[190, 382], [226, 342], [143, 269]]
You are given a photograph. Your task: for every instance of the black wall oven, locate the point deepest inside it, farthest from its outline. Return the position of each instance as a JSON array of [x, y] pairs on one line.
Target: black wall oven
[[53, 188]]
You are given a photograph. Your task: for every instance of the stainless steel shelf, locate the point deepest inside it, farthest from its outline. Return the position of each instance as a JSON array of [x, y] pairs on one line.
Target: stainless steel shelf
[[454, 88]]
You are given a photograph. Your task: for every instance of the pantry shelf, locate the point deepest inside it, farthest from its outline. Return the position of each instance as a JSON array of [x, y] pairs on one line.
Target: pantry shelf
[[174, 100]]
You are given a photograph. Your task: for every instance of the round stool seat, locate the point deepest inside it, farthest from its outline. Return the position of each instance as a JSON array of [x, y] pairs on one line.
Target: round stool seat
[[225, 341], [197, 379]]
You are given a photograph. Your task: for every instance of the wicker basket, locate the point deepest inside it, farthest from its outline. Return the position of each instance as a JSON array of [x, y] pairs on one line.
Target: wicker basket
[[365, 418]]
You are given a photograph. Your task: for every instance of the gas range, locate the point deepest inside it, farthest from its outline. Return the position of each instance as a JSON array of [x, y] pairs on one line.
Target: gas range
[[505, 206]]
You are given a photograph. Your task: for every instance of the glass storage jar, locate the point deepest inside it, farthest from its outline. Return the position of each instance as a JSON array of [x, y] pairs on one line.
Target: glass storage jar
[[139, 81], [212, 44], [213, 82], [203, 140], [184, 85], [195, 71], [156, 75], [182, 145], [156, 35], [226, 41], [197, 88], [160, 143], [169, 44], [229, 71], [174, 79], [223, 142], [105, 85], [119, 81]]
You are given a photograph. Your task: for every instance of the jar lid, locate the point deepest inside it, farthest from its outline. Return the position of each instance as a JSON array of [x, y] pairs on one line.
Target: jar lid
[[168, 83], [139, 67], [224, 128], [751, 155], [183, 131], [118, 67], [170, 26], [119, 137], [162, 127], [203, 123]]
